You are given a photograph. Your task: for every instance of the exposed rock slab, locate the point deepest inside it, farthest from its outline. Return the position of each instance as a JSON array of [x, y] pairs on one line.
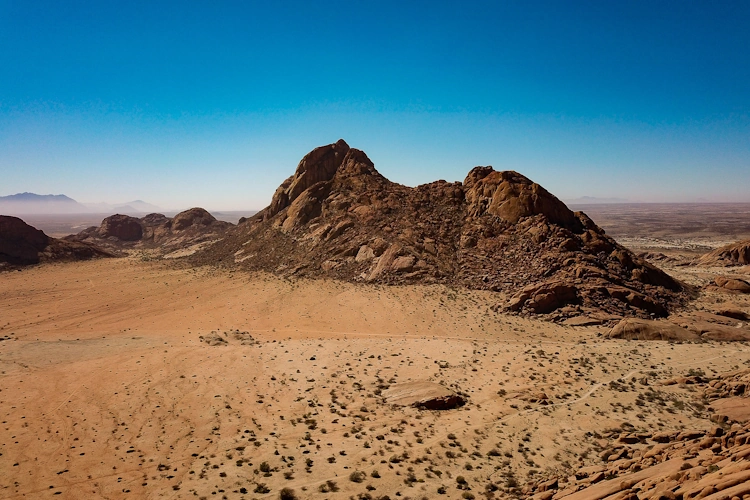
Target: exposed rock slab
[[639, 329], [424, 395]]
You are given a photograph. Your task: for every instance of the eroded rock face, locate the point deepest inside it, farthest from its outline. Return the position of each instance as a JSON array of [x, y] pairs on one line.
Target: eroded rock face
[[122, 227], [692, 327], [319, 165], [20, 243], [338, 217], [441, 403], [511, 196], [734, 254]]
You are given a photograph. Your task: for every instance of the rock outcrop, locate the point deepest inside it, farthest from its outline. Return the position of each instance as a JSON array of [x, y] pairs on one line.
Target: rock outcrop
[[338, 217], [639, 329], [734, 285], [709, 463], [190, 228], [22, 244], [697, 326], [121, 227], [734, 254]]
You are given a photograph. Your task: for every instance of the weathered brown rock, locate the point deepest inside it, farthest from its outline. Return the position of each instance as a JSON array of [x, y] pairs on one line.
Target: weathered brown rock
[[734, 254], [22, 244], [639, 329], [122, 227], [713, 327], [155, 231], [544, 297], [685, 464], [319, 165], [338, 217], [732, 284], [19, 242], [734, 313], [192, 217], [511, 196]]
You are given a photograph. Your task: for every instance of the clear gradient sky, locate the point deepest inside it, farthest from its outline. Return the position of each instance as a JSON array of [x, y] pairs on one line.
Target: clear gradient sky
[[214, 103]]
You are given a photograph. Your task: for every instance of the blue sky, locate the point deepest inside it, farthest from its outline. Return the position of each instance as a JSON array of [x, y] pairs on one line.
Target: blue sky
[[213, 103]]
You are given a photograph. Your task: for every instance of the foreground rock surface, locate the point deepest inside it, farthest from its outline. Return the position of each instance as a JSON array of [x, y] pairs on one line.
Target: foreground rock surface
[[338, 217], [22, 244], [689, 464]]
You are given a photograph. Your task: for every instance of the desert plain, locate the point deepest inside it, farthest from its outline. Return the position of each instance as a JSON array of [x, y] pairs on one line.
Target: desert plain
[[142, 378]]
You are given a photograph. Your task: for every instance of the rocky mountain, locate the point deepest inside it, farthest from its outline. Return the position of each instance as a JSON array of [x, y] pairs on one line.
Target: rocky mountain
[[337, 216], [191, 228], [22, 244], [30, 203], [734, 254], [129, 207]]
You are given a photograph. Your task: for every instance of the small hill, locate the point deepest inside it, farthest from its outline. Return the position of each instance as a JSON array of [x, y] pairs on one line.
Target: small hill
[[191, 228], [337, 216], [734, 254], [22, 244]]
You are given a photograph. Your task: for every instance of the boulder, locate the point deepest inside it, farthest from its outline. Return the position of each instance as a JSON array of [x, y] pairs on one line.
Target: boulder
[[122, 227], [732, 284], [734, 314], [544, 297], [512, 196], [190, 218], [22, 244]]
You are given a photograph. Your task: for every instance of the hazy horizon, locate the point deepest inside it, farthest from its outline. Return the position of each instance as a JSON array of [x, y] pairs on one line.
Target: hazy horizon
[[214, 106]]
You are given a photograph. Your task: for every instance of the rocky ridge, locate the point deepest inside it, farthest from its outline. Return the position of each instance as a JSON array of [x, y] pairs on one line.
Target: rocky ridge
[[191, 228], [22, 244], [734, 254], [338, 217]]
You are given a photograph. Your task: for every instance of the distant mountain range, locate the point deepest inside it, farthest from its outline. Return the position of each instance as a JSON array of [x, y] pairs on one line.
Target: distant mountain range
[[31, 203], [592, 200]]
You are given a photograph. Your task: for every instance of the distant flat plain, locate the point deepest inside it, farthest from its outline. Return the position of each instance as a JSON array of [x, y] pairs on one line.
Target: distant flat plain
[[696, 227], [704, 225]]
